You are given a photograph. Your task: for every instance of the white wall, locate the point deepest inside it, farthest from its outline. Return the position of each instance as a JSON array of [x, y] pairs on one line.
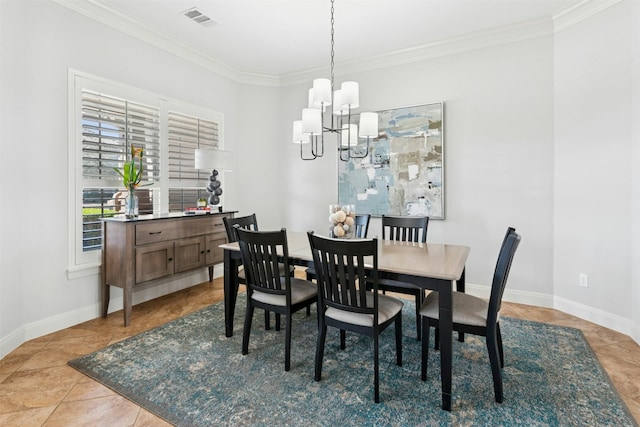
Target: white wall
[[635, 119], [593, 166]]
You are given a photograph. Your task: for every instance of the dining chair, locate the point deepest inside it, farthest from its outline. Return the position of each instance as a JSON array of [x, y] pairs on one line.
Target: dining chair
[[361, 223], [362, 227], [249, 222], [267, 288], [475, 315], [405, 229], [346, 303]]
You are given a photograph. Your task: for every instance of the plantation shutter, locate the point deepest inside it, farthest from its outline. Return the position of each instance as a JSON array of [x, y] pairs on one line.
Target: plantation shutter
[[110, 126], [185, 134]]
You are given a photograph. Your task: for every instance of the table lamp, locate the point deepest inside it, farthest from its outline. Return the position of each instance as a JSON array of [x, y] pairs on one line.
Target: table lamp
[[215, 161]]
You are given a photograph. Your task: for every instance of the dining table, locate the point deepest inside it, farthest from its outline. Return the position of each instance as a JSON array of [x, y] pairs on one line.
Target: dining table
[[433, 266]]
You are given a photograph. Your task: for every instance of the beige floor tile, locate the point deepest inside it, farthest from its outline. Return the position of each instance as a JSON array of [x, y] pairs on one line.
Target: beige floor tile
[[27, 418], [35, 389], [147, 419], [107, 411], [89, 389]]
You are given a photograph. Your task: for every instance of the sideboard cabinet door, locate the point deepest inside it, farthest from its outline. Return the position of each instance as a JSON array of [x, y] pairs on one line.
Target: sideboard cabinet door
[[154, 261], [190, 254]]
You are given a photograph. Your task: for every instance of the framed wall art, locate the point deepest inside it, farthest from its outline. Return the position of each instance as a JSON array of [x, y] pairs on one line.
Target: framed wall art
[[403, 171]]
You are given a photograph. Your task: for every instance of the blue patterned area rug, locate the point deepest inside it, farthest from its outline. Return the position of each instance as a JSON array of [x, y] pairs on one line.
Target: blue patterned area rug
[[190, 374]]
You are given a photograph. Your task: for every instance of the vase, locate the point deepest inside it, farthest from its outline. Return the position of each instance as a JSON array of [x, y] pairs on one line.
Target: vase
[[131, 205], [342, 221]]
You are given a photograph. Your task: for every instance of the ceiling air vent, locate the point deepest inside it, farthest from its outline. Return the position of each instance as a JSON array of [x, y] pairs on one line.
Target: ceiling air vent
[[199, 17]]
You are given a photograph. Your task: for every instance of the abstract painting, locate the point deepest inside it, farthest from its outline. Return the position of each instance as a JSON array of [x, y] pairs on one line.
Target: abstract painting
[[403, 171]]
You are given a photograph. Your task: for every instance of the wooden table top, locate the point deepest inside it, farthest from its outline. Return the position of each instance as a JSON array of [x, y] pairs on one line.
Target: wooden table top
[[433, 260]]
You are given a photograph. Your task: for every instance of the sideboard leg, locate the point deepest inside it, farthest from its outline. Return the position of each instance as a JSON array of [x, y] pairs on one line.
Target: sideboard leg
[[128, 294], [105, 299]]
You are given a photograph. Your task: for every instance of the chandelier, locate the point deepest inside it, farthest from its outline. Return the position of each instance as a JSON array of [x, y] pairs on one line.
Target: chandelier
[[312, 129]]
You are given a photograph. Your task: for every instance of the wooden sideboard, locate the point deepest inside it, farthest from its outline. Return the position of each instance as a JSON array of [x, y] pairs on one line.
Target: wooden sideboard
[[151, 247]]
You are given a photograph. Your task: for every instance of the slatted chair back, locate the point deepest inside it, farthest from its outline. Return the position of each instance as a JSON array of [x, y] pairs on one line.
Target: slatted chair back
[[262, 251], [341, 273], [405, 228], [362, 225], [248, 222]]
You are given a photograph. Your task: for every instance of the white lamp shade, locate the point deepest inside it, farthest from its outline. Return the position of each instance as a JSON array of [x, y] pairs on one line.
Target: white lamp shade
[[210, 159], [298, 138], [350, 94], [349, 138], [338, 109], [311, 121], [321, 92], [369, 125]]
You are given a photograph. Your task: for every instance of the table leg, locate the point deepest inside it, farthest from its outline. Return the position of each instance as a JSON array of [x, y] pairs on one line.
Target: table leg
[[460, 287], [446, 330], [230, 290]]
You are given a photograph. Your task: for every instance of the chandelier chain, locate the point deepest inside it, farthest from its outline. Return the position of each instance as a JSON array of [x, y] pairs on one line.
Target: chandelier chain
[[332, 49]]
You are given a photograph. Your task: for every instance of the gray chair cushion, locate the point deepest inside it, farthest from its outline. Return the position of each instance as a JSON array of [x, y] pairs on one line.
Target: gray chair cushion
[[387, 308], [301, 290], [467, 309]]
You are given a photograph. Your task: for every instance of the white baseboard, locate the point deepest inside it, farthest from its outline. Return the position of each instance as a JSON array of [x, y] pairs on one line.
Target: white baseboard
[[510, 295], [597, 316], [11, 341], [70, 318]]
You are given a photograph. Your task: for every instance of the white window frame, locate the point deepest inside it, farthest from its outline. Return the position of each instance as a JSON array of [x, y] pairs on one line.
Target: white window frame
[[81, 263]]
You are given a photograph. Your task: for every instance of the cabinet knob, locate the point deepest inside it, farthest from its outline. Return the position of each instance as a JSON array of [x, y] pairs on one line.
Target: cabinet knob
[[170, 259]]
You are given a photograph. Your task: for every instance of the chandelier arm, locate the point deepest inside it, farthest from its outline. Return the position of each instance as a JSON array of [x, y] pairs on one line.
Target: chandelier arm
[[305, 158], [360, 157]]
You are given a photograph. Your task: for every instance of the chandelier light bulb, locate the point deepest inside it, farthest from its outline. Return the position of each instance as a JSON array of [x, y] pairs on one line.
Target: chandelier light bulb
[[350, 94], [298, 138], [321, 92], [349, 135], [311, 121], [369, 125]]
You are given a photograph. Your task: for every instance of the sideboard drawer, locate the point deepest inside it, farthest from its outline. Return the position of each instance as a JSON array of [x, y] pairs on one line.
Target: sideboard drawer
[[156, 231], [197, 226]]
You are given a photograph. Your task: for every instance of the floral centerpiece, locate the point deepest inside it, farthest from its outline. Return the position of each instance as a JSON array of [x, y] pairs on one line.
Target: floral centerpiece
[[342, 220], [131, 178]]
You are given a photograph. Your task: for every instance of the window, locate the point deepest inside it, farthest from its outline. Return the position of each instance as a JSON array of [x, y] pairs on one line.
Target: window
[[109, 127], [106, 118], [185, 134]]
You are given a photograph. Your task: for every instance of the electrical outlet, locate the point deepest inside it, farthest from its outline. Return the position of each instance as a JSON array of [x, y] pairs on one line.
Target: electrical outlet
[[584, 280]]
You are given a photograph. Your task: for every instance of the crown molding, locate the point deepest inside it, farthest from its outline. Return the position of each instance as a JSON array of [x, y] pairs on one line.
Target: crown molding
[[580, 11], [577, 12], [164, 41], [474, 41]]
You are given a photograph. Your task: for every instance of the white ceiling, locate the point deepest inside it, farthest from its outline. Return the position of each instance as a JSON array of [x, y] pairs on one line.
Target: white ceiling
[[278, 37]]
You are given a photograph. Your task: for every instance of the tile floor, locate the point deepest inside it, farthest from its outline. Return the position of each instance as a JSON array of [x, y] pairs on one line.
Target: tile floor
[[37, 388]]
